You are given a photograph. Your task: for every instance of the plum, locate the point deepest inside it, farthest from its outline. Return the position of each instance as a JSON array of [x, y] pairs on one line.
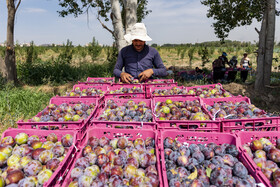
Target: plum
[[232, 150], [53, 164], [84, 180], [82, 162], [183, 161], [198, 155], [44, 176], [122, 142], [76, 172], [67, 140], [14, 177], [33, 168], [240, 170], [92, 171], [168, 142]]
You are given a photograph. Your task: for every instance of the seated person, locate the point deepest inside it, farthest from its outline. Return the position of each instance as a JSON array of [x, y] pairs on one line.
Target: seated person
[[199, 73], [140, 60], [233, 62]]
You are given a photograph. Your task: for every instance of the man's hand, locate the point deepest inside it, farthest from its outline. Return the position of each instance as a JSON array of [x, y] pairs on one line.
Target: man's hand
[[146, 74], [125, 77]]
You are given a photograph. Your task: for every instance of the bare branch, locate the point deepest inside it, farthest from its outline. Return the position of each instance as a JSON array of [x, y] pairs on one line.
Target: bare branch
[[104, 26], [257, 30], [18, 5]]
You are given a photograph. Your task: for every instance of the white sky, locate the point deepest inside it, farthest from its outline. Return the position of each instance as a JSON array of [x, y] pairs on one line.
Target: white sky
[[176, 21]]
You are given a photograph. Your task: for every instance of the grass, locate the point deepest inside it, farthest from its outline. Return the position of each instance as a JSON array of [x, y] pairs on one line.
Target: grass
[[20, 103]]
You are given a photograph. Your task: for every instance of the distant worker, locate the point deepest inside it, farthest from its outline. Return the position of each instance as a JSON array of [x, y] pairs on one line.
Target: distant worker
[[199, 73], [140, 60], [233, 62], [232, 71], [217, 69], [245, 65], [224, 59]]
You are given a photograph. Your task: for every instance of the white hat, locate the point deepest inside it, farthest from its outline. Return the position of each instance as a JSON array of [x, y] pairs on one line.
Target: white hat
[[138, 31]]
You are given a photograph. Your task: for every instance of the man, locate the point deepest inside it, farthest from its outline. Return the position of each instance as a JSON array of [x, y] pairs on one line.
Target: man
[[140, 61]]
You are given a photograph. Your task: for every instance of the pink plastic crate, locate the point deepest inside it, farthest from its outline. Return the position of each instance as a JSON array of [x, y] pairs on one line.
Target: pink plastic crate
[[108, 81], [42, 134], [121, 102], [204, 138], [250, 124], [152, 89], [189, 125], [209, 86], [116, 133], [125, 95], [123, 125], [247, 137], [79, 126]]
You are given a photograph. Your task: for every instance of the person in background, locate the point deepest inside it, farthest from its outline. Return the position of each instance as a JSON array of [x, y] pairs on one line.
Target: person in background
[[233, 62], [139, 60], [245, 65], [232, 71], [224, 59], [217, 69], [199, 73]]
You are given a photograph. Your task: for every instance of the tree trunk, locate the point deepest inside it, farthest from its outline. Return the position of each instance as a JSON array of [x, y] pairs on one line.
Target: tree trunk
[[117, 24], [130, 13], [266, 45], [9, 67], [269, 41], [259, 83]]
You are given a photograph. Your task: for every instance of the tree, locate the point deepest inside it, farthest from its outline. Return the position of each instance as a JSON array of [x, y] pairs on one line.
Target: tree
[[8, 66], [132, 11], [235, 13]]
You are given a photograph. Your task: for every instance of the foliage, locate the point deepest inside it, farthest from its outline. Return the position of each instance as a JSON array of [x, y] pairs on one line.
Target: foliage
[[231, 14], [2, 52], [103, 8], [94, 49], [67, 52], [205, 55], [191, 52]]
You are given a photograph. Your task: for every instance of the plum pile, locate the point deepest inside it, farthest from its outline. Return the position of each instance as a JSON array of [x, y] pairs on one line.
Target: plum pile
[[173, 91], [267, 157], [180, 110], [28, 161], [124, 90], [204, 165], [235, 110], [101, 80], [85, 92], [65, 112], [116, 162], [128, 111], [215, 92], [155, 81]]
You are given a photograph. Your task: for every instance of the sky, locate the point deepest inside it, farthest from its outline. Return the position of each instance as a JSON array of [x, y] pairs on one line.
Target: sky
[[176, 22]]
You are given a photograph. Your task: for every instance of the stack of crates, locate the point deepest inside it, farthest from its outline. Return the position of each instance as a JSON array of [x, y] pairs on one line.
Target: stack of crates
[[144, 115]]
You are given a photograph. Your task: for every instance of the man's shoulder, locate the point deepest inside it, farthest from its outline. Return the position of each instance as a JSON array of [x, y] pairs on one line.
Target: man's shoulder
[[153, 50]]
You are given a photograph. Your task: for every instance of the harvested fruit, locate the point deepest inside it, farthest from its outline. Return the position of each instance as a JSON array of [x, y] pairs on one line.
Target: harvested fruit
[[170, 91], [129, 111], [101, 80], [204, 165], [64, 112], [127, 163], [209, 92], [180, 110], [123, 90], [92, 91], [235, 110], [27, 159], [267, 157]]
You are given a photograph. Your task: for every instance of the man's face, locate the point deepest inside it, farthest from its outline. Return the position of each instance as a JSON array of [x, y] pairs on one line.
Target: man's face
[[138, 44]]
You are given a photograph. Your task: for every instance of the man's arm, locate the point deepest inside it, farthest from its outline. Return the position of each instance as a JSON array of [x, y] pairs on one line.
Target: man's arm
[[159, 69], [119, 65]]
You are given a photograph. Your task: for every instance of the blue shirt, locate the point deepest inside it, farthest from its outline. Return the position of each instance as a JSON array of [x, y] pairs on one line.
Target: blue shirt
[[136, 62]]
